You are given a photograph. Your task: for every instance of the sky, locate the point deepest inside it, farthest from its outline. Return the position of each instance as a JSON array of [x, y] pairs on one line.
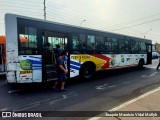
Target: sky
[[137, 18]]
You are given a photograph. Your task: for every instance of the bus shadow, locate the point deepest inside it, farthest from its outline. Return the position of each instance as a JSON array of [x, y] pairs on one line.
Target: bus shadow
[[105, 74], [47, 86]]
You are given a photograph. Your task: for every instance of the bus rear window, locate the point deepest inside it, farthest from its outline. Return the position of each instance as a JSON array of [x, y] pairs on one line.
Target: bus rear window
[[27, 40]]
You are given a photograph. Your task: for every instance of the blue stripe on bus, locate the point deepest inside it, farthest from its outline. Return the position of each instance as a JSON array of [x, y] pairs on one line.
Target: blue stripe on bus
[[35, 61], [37, 69], [74, 67], [75, 63], [37, 66], [35, 57]]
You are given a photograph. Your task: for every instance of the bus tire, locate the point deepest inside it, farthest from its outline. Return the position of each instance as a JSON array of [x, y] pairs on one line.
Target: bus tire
[[87, 71], [140, 64]]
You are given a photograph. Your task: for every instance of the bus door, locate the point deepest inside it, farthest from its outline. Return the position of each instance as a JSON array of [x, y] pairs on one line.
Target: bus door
[[149, 53], [50, 41]]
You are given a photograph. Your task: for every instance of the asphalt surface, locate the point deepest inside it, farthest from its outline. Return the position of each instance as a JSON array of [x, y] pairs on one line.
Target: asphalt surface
[[106, 90]]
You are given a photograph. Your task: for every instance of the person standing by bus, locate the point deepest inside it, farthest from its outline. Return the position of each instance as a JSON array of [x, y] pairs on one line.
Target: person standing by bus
[[158, 64], [61, 72], [57, 51]]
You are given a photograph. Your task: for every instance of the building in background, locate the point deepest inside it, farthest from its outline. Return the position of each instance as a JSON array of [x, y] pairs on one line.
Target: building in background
[[157, 46]]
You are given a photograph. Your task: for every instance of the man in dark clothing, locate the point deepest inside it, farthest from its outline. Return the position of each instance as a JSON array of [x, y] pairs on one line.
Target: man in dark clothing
[[158, 64], [57, 51], [61, 72]]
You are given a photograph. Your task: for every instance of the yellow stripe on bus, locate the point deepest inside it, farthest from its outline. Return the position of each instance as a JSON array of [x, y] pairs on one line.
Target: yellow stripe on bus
[[85, 57]]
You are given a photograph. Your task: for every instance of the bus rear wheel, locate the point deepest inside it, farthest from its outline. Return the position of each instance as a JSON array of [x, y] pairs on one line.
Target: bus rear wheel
[[87, 71], [140, 65]]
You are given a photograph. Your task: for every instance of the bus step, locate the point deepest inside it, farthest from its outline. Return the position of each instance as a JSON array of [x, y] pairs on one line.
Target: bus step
[[49, 71], [2, 73], [52, 79]]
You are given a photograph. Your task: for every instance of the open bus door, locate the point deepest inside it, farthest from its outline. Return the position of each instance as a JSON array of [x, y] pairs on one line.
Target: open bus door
[[149, 53], [50, 40]]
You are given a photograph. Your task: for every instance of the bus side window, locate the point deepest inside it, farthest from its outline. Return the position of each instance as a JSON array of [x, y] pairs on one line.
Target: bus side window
[[79, 43], [121, 46], [100, 44], [82, 47], [109, 45], [134, 46], [75, 42], [142, 47], [91, 43], [114, 44], [28, 40], [126, 46]]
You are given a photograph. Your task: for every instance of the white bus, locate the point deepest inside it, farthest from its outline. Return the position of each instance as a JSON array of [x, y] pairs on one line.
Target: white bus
[[33, 59]]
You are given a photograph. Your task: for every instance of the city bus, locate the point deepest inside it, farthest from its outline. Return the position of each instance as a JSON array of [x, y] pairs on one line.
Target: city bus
[[90, 50]]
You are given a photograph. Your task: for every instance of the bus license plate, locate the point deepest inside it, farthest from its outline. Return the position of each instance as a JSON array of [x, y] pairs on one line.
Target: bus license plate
[[26, 72]]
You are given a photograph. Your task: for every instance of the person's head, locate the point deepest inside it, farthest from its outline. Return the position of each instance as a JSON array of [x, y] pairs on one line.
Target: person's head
[[58, 46], [63, 54]]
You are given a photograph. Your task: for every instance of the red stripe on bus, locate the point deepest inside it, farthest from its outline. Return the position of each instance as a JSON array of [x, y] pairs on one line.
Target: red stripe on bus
[[103, 57]]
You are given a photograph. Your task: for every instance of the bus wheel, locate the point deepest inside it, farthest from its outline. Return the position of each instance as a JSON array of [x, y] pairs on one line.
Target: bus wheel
[[140, 65], [87, 71]]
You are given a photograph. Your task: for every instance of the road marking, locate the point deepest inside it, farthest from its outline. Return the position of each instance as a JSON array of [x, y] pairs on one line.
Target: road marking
[[30, 105], [12, 91], [112, 86], [128, 102], [4, 109], [153, 67], [63, 98], [37, 103], [153, 74], [101, 87], [126, 82], [27, 107]]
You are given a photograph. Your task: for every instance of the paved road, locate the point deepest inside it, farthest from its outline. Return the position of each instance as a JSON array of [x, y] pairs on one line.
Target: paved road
[[107, 90]]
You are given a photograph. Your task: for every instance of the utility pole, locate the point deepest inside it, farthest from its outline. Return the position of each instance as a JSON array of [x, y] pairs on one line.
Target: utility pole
[[44, 9]]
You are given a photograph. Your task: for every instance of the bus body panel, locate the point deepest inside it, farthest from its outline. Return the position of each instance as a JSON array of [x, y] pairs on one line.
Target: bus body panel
[[104, 61], [11, 48], [30, 69]]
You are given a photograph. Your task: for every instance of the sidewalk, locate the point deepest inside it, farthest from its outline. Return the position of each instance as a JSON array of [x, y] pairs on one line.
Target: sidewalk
[[146, 103]]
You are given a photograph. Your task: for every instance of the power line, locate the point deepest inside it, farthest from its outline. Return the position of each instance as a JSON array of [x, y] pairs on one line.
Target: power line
[[95, 20], [21, 7], [78, 13], [137, 24], [139, 19], [11, 11], [21, 1], [99, 21]]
